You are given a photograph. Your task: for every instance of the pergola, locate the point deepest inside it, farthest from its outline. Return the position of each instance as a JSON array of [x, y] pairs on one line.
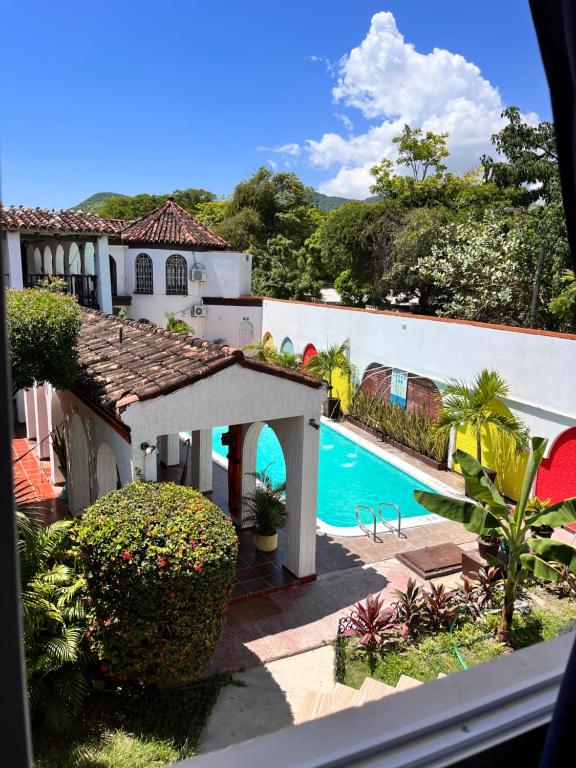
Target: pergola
[[141, 386]]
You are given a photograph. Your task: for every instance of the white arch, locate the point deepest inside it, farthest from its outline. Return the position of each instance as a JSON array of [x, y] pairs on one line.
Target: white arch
[[47, 260], [37, 261], [74, 260], [59, 260], [251, 436], [79, 469], [106, 472], [89, 267]]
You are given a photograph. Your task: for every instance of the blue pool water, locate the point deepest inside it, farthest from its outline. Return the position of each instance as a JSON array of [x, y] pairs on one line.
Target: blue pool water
[[348, 475]]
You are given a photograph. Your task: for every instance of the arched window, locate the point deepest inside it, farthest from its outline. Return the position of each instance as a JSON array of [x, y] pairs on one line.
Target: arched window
[[113, 275], [176, 274], [144, 280]]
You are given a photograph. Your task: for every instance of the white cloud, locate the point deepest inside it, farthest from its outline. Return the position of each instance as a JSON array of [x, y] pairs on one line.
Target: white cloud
[[283, 149], [345, 120], [330, 66], [391, 83]]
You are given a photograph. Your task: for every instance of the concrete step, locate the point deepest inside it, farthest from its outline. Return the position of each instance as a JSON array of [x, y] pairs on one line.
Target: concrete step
[[405, 682], [312, 706], [372, 690], [344, 697]]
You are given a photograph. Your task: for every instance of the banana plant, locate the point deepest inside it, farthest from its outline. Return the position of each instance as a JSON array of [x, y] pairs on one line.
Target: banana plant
[[489, 514]]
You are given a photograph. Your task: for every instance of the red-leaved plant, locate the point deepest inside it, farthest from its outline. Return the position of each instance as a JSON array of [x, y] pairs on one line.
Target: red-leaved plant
[[373, 624]]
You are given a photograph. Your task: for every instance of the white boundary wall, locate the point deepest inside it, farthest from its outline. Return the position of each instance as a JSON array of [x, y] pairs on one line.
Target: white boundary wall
[[540, 368]]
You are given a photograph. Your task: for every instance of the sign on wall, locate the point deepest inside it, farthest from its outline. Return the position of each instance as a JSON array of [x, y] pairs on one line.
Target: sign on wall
[[399, 387]]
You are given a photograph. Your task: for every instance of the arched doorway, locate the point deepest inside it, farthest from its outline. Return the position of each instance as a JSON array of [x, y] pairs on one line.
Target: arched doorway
[[47, 267], [557, 474], [267, 340], [74, 260], [79, 476], [59, 260], [261, 451], [113, 275], [106, 471], [310, 351], [245, 333], [287, 346]]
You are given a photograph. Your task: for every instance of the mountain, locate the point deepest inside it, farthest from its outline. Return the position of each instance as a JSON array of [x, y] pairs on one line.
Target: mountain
[[93, 203]]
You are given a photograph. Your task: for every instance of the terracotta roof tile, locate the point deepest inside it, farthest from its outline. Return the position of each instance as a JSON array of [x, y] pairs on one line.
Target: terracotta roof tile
[[171, 225], [50, 220], [123, 361]]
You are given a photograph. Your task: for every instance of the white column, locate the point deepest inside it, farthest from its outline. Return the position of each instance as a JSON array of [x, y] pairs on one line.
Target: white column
[[101, 254], [300, 444], [169, 447], [20, 406], [13, 259], [42, 431], [144, 465], [201, 460], [30, 411], [250, 436]]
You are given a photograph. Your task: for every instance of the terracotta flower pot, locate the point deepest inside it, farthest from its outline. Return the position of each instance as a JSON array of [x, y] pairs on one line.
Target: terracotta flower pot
[[266, 543]]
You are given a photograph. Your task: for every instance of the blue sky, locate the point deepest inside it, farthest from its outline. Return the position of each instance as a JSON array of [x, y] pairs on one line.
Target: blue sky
[[148, 97]]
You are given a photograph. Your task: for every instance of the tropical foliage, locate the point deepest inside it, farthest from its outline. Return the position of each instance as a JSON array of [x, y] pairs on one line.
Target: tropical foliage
[[265, 507], [55, 622], [527, 555], [266, 352], [414, 429], [43, 329], [160, 561], [325, 364], [473, 406], [176, 325]]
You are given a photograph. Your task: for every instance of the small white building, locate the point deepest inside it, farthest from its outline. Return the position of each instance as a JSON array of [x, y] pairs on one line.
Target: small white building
[[164, 263], [141, 386]]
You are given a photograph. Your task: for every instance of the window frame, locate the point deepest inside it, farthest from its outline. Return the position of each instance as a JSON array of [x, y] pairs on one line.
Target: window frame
[[144, 284], [176, 284]]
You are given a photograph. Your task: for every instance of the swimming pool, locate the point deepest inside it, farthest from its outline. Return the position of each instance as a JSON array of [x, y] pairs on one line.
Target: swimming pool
[[349, 474]]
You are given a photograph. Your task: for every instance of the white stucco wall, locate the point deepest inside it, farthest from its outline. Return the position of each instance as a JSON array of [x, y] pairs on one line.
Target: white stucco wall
[[228, 276], [225, 322], [539, 368], [97, 431]]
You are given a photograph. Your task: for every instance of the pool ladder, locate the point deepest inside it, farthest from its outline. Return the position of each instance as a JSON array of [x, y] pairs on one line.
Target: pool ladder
[[379, 518]]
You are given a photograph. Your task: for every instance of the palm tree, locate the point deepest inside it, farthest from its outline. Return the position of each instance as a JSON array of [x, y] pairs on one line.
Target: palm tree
[[335, 357], [263, 351], [474, 407]]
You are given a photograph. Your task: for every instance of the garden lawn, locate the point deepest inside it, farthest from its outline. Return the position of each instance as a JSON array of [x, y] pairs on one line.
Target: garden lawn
[[134, 729], [430, 655]]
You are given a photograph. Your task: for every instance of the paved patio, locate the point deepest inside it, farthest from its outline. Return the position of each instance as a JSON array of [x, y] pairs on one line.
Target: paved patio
[[32, 479]]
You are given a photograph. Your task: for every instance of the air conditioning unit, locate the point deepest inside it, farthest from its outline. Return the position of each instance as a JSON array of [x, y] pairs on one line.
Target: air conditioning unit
[[199, 310], [197, 275]]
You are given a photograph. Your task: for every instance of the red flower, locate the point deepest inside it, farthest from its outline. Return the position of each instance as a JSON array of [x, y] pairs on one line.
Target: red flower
[[197, 568], [163, 562], [126, 555]]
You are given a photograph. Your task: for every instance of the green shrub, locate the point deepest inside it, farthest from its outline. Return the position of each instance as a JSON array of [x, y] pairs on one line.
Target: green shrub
[[415, 429], [160, 561], [43, 329]]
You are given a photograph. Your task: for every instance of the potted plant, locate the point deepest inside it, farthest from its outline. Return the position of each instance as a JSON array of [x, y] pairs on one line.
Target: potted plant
[[539, 506], [473, 406], [488, 544], [266, 511], [324, 365]]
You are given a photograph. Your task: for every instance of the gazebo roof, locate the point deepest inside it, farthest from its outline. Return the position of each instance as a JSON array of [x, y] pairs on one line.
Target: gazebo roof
[[171, 225], [123, 361]]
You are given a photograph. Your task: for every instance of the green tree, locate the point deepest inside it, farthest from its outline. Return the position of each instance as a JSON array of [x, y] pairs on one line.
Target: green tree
[[531, 159], [328, 361], [266, 205], [474, 407], [284, 271], [489, 515], [128, 208], [43, 330], [563, 306], [483, 269]]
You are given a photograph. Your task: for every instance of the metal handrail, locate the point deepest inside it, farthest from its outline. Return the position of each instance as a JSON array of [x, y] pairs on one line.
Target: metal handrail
[[386, 523], [399, 514]]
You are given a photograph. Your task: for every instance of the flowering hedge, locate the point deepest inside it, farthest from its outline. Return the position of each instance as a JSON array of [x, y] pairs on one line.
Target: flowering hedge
[[160, 561]]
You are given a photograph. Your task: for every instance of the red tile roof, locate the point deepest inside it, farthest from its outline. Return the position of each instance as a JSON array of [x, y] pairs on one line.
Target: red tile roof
[[62, 222], [171, 225], [123, 361]]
